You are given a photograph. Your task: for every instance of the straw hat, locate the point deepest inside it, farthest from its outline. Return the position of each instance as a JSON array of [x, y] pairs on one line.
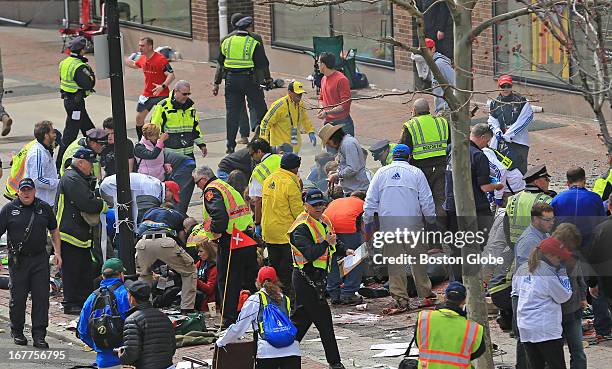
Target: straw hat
[[327, 131]]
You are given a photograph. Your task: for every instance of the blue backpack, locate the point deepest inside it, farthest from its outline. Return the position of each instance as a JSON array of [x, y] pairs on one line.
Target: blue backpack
[[274, 324]]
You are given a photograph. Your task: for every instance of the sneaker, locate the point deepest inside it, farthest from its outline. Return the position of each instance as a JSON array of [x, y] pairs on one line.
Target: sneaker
[[7, 122], [373, 293], [243, 140], [335, 301], [19, 339], [351, 300]]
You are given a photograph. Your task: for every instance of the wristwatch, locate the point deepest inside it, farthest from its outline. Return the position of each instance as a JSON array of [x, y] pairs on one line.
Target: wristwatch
[[164, 85]]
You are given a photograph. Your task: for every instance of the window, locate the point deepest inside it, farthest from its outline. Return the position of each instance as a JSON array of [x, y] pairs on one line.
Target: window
[[525, 48], [362, 26], [168, 15]]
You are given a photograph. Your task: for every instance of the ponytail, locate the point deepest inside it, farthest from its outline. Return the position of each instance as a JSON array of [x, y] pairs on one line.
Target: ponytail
[[534, 259], [273, 290]]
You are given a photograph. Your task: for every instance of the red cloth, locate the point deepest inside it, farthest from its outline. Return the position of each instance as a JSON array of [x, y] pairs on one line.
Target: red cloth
[[334, 89], [343, 213], [240, 239], [209, 287], [153, 69]]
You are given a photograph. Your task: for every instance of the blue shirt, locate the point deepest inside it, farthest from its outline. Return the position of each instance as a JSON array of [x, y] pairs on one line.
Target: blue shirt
[[581, 207], [480, 176], [105, 357], [171, 218], [529, 240]]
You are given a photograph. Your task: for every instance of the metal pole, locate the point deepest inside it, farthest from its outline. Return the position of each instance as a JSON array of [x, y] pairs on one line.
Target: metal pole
[[222, 19], [124, 193]]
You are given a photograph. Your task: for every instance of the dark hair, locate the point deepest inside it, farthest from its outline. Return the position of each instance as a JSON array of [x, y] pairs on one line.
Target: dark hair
[[259, 144], [540, 208], [569, 235], [337, 192], [328, 59], [41, 129], [359, 194], [148, 40], [337, 137], [238, 180], [576, 174], [108, 123]]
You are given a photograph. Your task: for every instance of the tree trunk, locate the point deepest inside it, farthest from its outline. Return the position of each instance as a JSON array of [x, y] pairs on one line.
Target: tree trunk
[[462, 176]]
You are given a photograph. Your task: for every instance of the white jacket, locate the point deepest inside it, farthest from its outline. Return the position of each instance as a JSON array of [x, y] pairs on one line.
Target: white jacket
[[401, 196], [40, 166], [517, 132], [141, 185], [511, 179], [541, 294]]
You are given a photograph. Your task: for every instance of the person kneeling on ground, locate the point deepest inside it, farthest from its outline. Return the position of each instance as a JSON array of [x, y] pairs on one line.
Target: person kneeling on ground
[[252, 313], [206, 271], [148, 333]]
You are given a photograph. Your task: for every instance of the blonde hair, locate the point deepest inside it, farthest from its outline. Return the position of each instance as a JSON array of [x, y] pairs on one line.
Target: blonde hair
[[534, 259], [150, 130], [273, 290], [209, 247]]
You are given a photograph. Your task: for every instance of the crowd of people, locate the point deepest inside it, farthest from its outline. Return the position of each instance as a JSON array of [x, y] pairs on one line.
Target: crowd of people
[[68, 208]]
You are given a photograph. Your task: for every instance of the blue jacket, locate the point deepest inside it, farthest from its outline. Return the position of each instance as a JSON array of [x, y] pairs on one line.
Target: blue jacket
[[580, 207], [105, 357]]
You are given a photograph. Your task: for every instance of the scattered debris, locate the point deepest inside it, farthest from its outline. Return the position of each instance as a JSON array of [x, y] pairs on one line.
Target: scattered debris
[[356, 318]]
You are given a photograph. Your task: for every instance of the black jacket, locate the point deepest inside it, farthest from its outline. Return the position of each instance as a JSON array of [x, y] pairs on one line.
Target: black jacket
[[214, 205], [302, 239], [148, 337], [241, 159], [599, 257]]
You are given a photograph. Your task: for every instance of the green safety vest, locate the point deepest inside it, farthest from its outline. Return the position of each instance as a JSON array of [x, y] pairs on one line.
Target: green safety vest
[[601, 184], [267, 166], [518, 211], [238, 211], [389, 158], [238, 51], [446, 339], [70, 151], [429, 136], [318, 232], [198, 234], [178, 124], [67, 68], [17, 171]]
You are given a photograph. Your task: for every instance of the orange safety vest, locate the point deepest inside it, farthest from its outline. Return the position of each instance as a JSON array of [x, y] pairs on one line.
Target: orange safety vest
[[238, 211], [343, 213], [318, 232]]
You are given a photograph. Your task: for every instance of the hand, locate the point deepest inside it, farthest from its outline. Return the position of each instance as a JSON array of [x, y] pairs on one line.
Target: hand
[[204, 151], [350, 252], [499, 186], [594, 291], [321, 114], [167, 168], [313, 138], [258, 229], [157, 89], [584, 304], [58, 261], [215, 90], [440, 35], [333, 178], [164, 136], [331, 238]]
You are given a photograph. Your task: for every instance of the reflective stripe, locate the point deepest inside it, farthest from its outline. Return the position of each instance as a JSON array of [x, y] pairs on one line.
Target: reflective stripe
[[427, 142], [241, 55], [234, 211], [443, 358], [424, 316], [75, 241], [318, 236]]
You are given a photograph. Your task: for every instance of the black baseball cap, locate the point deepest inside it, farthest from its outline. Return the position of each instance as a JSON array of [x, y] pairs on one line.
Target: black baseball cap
[[26, 182], [139, 289]]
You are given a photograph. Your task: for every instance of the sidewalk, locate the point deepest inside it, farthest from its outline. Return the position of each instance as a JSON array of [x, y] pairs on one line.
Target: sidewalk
[[30, 58]]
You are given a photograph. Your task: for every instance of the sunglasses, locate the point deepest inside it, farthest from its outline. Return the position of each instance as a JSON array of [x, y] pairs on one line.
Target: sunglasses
[[184, 93], [506, 86]]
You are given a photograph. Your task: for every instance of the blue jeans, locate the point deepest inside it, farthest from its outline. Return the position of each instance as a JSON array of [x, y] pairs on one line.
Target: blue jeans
[[602, 320], [222, 175], [352, 281], [572, 333], [347, 125], [183, 177]]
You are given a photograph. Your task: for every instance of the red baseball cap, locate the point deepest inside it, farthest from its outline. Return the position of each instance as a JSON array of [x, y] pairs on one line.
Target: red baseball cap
[[175, 188], [553, 246], [429, 43], [504, 80], [267, 273]]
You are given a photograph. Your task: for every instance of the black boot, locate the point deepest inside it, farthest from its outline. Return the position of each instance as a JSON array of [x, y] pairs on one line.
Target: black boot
[[19, 339]]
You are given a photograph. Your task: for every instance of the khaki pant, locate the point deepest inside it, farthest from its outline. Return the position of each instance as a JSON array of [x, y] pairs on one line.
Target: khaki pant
[[167, 250], [398, 283]]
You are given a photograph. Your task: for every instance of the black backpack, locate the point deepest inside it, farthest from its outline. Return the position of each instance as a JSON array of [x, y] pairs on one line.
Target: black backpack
[[106, 330]]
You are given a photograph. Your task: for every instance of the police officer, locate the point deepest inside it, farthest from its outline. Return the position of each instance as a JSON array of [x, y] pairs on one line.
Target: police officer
[[77, 81], [95, 139], [177, 116], [161, 234], [313, 243], [445, 337], [223, 209], [382, 151], [427, 137], [75, 203], [26, 220], [603, 185], [242, 57]]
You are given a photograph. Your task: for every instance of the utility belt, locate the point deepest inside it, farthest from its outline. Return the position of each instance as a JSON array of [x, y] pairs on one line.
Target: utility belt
[[316, 278], [243, 71]]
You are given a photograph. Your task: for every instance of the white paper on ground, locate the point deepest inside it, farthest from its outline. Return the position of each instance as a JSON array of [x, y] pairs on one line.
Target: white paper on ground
[[387, 346], [338, 338], [397, 352], [186, 365]]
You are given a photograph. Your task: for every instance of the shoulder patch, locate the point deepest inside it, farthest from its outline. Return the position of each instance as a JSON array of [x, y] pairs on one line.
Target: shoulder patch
[[272, 185], [209, 195]]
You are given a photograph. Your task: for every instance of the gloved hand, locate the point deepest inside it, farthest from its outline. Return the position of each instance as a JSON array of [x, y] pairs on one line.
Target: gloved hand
[[313, 138], [258, 229]]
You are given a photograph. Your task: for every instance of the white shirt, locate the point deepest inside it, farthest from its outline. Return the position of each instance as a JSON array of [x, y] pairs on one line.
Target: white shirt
[[511, 179], [248, 317], [401, 196], [541, 293], [39, 166], [141, 185], [256, 188]]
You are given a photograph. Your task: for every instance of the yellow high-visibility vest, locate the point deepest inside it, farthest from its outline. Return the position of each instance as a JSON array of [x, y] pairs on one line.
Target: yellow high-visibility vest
[[429, 136], [267, 166], [318, 231], [17, 171], [238, 211], [67, 68], [238, 51]]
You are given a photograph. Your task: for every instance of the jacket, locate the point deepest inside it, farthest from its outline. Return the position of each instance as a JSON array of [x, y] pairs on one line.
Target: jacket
[[283, 116], [75, 196], [598, 255], [150, 158], [261, 73], [105, 357], [351, 165], [401, 196], [147, 193], [541, 293], [281, 204], [581, 207], [510, 117], [206, 282], [511, 179], [241, 160], [445, 66], [181, 122], [40, 166], [148, 338], [345, 214]]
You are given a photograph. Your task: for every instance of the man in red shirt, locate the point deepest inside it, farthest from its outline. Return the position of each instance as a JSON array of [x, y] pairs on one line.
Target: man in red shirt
[[158, 75], [335, 89]]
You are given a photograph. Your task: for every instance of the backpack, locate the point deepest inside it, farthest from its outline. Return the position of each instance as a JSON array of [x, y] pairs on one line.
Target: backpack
[[106, 330], [274, 323]]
